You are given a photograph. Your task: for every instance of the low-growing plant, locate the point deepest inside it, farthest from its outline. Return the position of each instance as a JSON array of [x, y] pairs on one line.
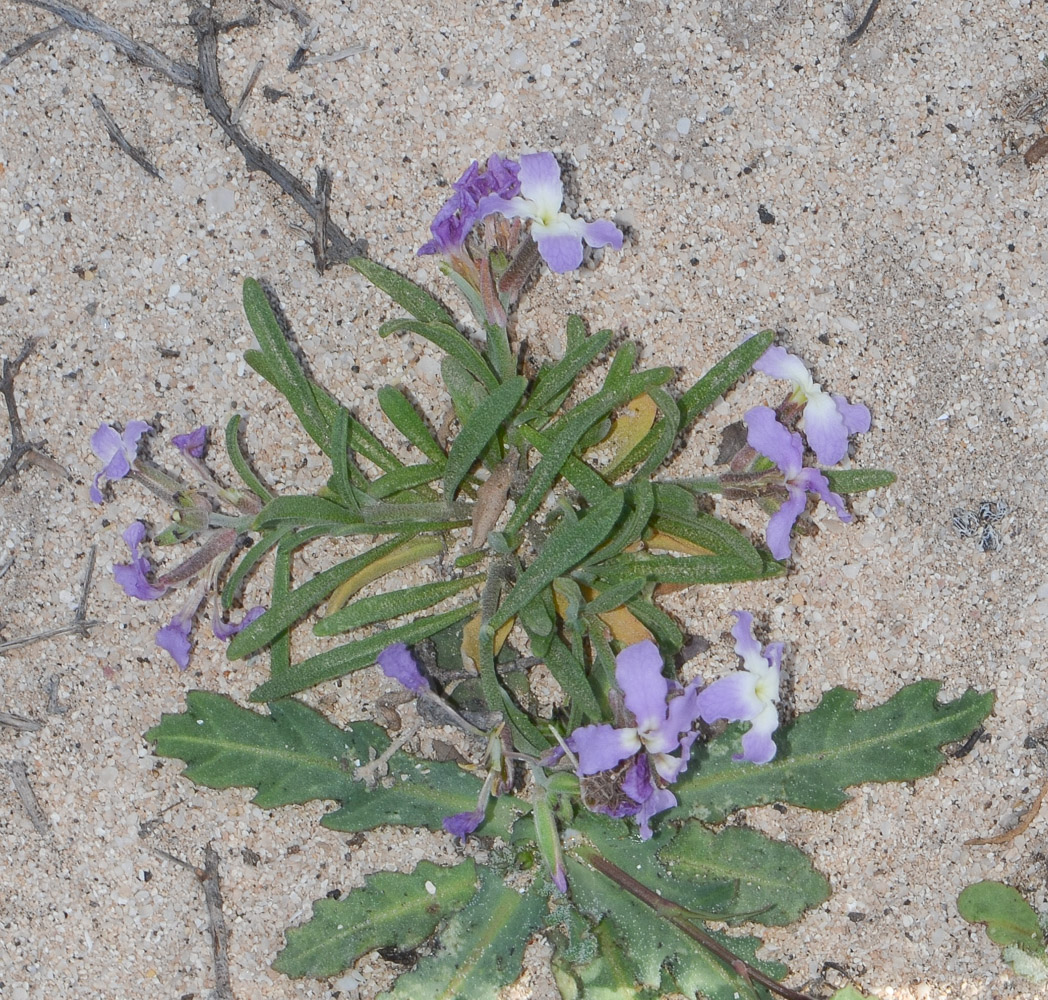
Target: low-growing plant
[[540, 530]]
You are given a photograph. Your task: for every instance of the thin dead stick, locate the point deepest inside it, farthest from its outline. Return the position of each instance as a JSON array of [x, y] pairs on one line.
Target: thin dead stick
[[20, 779], [20, 723], [137, 153], [54, 706], [50, 633], [863, 24], [85, 586], [320, 243], [301, 17], [299, 57], [29, 43], [1021, 827], [19, 445], [178, 73], [248, 87], [219, 935], [333, 57]]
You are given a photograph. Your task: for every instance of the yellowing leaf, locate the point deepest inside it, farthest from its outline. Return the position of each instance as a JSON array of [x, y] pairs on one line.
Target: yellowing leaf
[[629, 428], [622, 623], [471, 641], [410, 552], [670, 543]]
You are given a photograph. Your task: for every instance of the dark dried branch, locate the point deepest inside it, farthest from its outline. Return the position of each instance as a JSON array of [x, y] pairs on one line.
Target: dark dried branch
[[20, 723], [28, 43], [302, 19], [137, 153], [85, 587], [20, 447], [863, 24], [178, 73], [205, 80], [249, 86], [20, 779], [219, 934], [320, 244], [299, 58]]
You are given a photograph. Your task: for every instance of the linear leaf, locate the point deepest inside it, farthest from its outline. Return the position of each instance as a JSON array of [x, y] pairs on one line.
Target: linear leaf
[[396, 604], [721, 377], [292, 380], [391, 910], [481, 948], [567, 545], [304, 599], [858, 480], [581, 476], [305, 510], [401, 290], [558, 377], [832, 748], [483, 424], [406, 419], [352, 656], [407, 478], [711, 533], [239, 462], [687, 570], [451, 342]]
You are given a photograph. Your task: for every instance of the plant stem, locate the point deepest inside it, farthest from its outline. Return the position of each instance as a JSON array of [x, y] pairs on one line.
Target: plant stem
[[677, 915]]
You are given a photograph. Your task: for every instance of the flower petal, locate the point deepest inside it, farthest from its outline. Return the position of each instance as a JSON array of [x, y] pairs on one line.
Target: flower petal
[[174, 637], [193, 443], [766, 435], [226, 630], [463, 824], [856, 417], [758, 747], [398, 662], [105, 442], [733, 698], [824, 428], [638, 672], [780, 524], [815, 482], [540, 182], [660, 801], [602, 233], [561, 252], [779, 363], [134, 576], [602, 747]]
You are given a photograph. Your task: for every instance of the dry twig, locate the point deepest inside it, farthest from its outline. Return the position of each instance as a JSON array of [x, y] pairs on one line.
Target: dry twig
[[137, 153], [20, 723], [863, 24], [1021, 827], [29, 43], [20, 779]]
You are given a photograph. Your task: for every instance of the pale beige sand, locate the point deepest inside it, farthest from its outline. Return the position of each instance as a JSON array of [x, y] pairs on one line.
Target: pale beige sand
[[907, 262]]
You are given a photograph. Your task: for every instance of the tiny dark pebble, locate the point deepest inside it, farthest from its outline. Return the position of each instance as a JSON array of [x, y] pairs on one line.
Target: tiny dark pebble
[[1038, 151], [856, 917], [765, 216]]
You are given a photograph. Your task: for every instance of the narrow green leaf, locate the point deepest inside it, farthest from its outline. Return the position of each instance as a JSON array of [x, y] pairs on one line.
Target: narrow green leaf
[[567, 545], [248, 561], [722, 377], [292, 380], [483, 424], [581, 476], [304, 510], [391, 910], [352, 656], [446, 337], [687, 570], [401, 290], [571, 676], [858, 480], [560, 376], [406, 419], [396, 604], [614, 597], [769, 875], [711, 533], [1011, 923], [465, 391], [832, 748], [407, 478], [239, 462], [640, 499], [344, 472], [668, 636], [481, 948], [652, 449], [280, 646], [304, 599]]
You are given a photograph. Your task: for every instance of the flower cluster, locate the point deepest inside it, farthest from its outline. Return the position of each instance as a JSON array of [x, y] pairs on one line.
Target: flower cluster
[[626, 767], [119, 452]]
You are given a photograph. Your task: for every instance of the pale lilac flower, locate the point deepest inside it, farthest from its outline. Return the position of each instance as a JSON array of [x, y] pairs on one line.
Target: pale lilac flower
[[664, 717], [398, 662], [458, 215], [558, 235], [134, 576], [174, 636], [828, 419], [750, 695], [117, 451], [226, 630], [784, 447], [193, 443]]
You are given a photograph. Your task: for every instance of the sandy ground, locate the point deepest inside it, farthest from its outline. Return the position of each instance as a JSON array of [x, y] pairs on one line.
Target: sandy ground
[[871, 202]]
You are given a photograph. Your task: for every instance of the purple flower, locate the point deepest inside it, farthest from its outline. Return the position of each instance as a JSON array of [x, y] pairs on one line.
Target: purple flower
[[117, 451], [827, 420], [397, 662], [750, 695], [458, 215], [134, 576], [463, 824], [665, 719], [785, 448], [226, 630], [174, 636], [558, 235], [193, 443]]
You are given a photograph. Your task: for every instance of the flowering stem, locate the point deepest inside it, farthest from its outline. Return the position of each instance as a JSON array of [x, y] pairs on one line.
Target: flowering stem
[[680, 918]]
